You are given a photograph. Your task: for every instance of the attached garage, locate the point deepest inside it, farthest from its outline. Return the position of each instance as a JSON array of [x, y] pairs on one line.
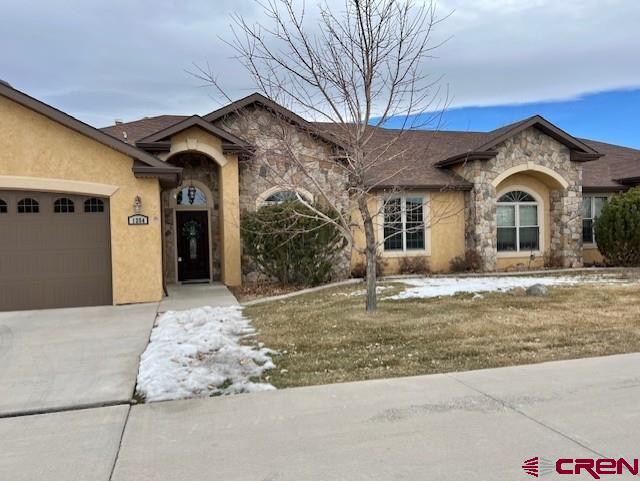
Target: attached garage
[[67, 194], [54, 250]]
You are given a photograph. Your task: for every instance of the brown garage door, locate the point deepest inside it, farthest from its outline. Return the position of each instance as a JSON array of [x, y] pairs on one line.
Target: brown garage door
[[54, 250]]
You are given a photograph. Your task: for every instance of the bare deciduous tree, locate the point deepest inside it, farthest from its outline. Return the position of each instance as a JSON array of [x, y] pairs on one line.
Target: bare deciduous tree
[[350, 70]]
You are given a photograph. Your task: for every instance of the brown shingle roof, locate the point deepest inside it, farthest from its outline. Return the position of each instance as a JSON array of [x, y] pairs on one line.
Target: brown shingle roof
[[417, 152], [142, 128], [617, 163]]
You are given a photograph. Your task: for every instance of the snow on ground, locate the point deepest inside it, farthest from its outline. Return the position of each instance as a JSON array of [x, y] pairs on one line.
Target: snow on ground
[[448, 286], [361, 292], [198, 352]]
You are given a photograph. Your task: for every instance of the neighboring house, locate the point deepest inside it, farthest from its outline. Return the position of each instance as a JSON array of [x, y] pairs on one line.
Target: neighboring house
[[92, 216]]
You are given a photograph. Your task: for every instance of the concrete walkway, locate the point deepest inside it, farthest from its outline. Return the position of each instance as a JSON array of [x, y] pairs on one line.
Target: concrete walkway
[[478, 425], [188, 296]]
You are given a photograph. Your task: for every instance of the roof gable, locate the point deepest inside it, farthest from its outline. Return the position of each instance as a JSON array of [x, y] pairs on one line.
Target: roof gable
[[286, 114], [500, 135], [580, 151], [145, 163], [195, 121]]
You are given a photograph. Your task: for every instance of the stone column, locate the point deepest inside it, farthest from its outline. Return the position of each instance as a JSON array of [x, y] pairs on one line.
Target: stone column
[[566, 226], [230, 222]]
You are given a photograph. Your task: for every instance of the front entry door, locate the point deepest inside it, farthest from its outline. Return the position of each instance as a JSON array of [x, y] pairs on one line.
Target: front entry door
[[193, 245]]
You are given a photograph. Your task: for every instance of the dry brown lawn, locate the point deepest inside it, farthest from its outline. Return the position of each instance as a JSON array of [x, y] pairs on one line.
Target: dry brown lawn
[[327, 337]]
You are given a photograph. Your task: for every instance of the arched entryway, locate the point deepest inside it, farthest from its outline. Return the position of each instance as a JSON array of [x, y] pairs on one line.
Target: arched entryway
[[531, 216], [192, 221]]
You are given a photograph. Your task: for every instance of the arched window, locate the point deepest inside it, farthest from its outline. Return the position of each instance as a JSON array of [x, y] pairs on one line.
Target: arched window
[[93, 204], [63, 205], [190, 195], [3, 207], [517, 220], [28, 206], [284, 196]]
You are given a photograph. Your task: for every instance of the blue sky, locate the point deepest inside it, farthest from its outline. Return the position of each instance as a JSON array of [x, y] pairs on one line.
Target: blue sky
[[612, 116]]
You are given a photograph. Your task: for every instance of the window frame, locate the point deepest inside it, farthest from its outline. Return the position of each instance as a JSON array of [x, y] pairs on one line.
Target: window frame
[[64, 205], [4, 206], [540, 208], [86, 203], [34, 203], [404, 252], [592, 218]]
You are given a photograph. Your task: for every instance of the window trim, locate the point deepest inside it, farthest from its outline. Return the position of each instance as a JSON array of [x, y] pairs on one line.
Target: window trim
[[426, 251], [30, 198], [592, 245], [88, 199], [57, 203], [542, 208]]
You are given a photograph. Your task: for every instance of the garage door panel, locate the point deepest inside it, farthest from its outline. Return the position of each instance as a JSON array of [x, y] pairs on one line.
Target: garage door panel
[[53, 259]]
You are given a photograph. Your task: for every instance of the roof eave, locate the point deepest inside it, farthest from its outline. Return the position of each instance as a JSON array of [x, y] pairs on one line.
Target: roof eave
[[576, 156], [467, 157], [628, 181], [436, 187], [604, 188], [168, 176]]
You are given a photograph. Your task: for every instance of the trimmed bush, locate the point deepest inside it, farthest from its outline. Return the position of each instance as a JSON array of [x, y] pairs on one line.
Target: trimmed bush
[[359, 269], [471, 262], [617, 229], [414, 265], [289, 242]]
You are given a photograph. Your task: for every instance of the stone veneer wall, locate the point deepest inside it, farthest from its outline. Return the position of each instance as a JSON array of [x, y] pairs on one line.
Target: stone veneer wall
[[531, 145], [200, 168], [274, 141]]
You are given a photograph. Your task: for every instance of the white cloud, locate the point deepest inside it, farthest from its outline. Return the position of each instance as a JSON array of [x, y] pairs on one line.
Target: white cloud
[[102, 60]]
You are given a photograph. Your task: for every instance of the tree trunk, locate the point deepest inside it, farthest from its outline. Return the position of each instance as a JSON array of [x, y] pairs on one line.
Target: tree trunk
[[371, 254]]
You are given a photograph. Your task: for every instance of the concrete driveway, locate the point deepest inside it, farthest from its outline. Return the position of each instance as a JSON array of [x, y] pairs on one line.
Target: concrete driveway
[[478, 425], [60, 359]]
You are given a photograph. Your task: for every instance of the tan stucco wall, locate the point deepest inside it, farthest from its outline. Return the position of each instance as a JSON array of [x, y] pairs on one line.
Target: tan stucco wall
[[537, 184], [230, 223], [592, 255], [34, 146], [194, 139], [445, 233]]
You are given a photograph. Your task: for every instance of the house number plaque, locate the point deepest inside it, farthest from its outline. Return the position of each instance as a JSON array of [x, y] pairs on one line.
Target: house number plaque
[[138, 219]]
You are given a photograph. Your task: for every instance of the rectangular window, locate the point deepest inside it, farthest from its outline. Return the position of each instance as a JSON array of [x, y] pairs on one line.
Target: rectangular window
[[404, 227], [529, 234], [591, 208], [507, 230]]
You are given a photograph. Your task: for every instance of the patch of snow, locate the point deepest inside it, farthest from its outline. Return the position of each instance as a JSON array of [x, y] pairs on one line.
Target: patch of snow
[[362, 292], [198, 352], [448, 286]]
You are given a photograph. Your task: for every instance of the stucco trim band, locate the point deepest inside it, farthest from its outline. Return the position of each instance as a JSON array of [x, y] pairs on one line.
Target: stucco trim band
[[12, 182]]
